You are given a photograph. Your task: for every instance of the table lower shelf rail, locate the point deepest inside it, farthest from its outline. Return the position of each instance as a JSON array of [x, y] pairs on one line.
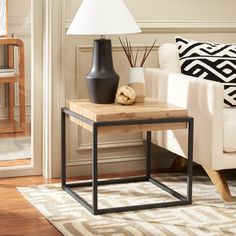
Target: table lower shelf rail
[[182, 200]]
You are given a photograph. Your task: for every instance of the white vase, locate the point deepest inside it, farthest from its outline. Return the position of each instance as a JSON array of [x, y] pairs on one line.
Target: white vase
[[137, 82]]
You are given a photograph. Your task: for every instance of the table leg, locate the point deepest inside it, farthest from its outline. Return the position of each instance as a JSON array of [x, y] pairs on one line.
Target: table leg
[[63, 147], [10, 56], [148, 155], [22, 101], [94, 170], [11, 101], [190, 160]]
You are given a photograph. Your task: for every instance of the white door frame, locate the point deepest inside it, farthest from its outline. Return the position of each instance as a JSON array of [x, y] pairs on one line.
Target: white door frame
[[53, 85], [36, 99]]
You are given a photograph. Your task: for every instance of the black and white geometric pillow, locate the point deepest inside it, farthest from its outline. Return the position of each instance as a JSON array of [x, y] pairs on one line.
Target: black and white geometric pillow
[[211, 61]]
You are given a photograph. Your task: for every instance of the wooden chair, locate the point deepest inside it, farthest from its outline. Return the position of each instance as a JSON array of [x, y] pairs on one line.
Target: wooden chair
[[11, 79]]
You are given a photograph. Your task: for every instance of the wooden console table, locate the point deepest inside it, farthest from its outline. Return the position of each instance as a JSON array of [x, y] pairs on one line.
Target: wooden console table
[[141, 117]]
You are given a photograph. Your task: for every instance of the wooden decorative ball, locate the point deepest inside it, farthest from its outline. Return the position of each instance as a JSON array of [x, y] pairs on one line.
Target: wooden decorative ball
[[125, 95]]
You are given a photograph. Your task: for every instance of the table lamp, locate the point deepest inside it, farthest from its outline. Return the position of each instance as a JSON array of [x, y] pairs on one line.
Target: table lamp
[[102, 17]]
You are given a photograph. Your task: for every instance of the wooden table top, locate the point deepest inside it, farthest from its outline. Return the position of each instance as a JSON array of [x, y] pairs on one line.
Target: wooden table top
[[150, 109]]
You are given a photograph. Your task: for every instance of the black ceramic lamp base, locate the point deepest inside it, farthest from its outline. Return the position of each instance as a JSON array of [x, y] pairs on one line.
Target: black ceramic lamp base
[[102, 81]]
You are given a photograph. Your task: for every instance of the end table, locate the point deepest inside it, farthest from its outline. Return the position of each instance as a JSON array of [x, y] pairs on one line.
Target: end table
[[141, 117]]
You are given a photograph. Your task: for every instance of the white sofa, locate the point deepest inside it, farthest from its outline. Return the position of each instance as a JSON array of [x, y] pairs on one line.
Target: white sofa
[[214, 125]]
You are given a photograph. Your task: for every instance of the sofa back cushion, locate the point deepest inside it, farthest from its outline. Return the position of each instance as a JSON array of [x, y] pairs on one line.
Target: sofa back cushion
[[211, 61], [169, 58]]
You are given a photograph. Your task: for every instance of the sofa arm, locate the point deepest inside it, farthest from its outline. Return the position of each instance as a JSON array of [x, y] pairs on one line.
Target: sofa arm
[[204, 101]]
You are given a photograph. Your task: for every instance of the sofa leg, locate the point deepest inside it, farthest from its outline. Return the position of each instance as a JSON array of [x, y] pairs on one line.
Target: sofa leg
[[178, 164], [218, 179]]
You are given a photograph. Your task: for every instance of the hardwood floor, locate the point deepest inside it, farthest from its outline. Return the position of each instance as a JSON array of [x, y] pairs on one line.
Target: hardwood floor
[[21, 162], [17, 216]]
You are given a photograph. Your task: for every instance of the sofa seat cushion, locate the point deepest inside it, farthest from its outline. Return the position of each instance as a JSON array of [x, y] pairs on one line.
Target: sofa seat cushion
[[229, 129]]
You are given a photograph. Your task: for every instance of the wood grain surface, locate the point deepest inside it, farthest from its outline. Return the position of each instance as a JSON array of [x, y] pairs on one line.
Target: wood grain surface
[[150, 109]]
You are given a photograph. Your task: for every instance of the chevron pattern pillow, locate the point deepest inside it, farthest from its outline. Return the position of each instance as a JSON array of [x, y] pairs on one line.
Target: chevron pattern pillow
[[210, 61]]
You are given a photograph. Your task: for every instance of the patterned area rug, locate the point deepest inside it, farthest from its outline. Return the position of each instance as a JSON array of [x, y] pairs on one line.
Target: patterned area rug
[[15, 148], [208, 215]]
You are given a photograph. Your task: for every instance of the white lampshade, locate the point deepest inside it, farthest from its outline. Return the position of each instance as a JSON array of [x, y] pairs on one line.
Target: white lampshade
[[102, 17]]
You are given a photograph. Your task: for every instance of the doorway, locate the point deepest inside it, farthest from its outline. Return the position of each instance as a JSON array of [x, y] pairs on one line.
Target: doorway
[[21, 104]]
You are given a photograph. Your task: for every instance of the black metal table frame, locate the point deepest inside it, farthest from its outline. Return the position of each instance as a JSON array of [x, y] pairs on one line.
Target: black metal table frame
[[93, 208]]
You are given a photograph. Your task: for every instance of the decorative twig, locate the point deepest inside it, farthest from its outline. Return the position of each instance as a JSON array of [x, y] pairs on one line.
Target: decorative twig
[[136, 56], [148, 53], [144, 55], [127, 47], [131, 52], [126, 52]]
